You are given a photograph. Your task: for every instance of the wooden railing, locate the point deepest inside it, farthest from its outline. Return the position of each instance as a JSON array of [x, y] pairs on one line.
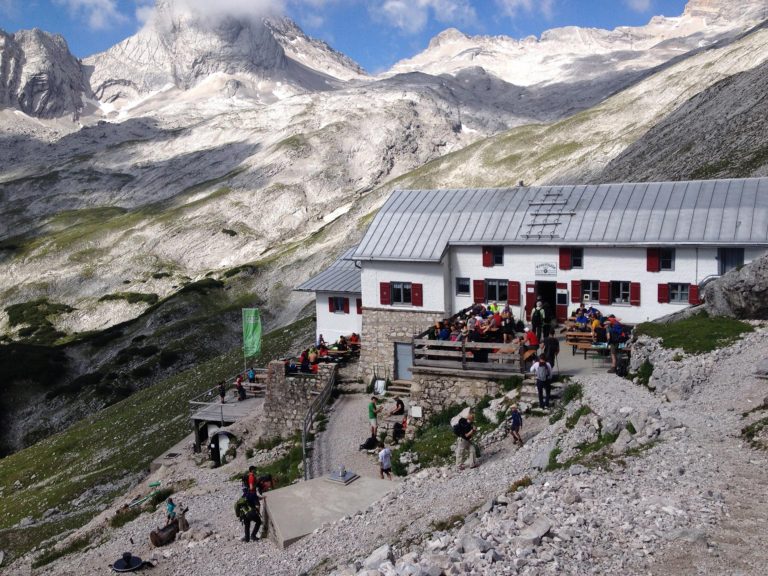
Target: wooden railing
[[491, 356]]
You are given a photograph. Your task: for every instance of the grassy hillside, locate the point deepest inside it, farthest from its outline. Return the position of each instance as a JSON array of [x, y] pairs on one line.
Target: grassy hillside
[[83, 468]]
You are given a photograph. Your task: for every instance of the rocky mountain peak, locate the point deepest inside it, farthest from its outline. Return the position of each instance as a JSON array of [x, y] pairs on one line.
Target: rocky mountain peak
[[39, 75], [446, 37]]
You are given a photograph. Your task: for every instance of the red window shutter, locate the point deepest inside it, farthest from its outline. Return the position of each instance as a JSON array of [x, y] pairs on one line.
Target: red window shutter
[[575, 290], [663, 293], [417, 294], [331, 304], [513, 293], [487, 257], [654, 260], [346, 305], [605, 293], [634, 293], [478, 288], [359, 305], [385, 293], [565, 259], [693, 294]]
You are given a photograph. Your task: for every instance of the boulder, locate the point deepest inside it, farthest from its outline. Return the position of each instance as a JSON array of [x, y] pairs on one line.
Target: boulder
[[378, 557], [532, 535], [741, 293], [541, 459], [761, 370]]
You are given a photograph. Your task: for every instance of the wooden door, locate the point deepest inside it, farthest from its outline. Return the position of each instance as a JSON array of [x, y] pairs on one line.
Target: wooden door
[[530, 298]]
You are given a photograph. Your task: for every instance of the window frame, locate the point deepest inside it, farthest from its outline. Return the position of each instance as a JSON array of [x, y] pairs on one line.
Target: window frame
[[468, 291], [498, 284], [577, 258], [663, 253], [497, 255], [617, 292], [338, 305], [594, 294], [676, 289], [401, 287]]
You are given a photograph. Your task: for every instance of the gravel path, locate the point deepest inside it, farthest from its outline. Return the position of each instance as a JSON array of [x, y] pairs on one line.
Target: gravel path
[[339, 443]]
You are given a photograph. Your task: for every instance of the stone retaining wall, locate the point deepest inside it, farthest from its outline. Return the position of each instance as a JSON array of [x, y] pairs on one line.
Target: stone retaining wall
[[435, 390], [382, 327], [288, 397]]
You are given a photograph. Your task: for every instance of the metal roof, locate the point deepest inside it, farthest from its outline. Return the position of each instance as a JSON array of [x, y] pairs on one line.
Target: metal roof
[[341, 276], [419, 225]]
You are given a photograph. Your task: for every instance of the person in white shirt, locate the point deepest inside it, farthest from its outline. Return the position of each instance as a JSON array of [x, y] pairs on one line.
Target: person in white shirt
[[385, 461], [543, 371]]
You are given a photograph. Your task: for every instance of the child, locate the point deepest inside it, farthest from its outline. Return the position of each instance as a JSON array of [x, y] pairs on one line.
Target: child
[[385, 461], [170, 511], [516, 423]]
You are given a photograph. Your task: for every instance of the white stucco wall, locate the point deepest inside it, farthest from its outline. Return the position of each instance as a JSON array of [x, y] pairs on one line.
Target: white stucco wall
[[429, 275], [604, 264], [334, 324]]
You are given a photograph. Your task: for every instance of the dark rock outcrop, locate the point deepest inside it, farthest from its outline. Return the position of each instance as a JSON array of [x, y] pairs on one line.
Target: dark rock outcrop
[[39, 75], [741, 293]]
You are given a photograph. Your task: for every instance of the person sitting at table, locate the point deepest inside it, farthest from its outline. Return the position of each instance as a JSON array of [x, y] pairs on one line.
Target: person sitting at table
[[321, 341], [600, 334], [399, 407], [305, 367], [322, 351], [589, 309], [530, 340], [445, 332], [581, 321], [354, 341], [342, 345]]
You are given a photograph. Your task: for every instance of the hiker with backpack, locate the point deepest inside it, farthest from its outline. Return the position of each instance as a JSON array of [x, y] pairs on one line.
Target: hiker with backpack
[[464, 430], [543, 371], [615, 333], [247, 511], [539, 319], [515, 423]]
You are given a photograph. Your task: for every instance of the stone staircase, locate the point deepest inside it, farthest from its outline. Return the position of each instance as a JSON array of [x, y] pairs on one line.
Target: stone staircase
[[400, 388], [530, 395]]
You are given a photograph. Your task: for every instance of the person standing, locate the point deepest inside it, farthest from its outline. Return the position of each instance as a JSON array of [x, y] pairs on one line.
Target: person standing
[[247, 510], [551, 346], [170, 511], [543, 371], [465, 429], [222, 391], [516, 424], [373, 411], [538, 319], [385, 461]]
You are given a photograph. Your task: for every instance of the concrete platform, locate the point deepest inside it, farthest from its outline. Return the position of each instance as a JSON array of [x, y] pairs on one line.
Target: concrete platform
[[295, 511], [229, 412], [173, 454]]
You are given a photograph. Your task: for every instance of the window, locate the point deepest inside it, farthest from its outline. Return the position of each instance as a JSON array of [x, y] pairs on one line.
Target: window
[[729, 258], [462, 286], [620, 292], [679, 293], [496, 290], [590, 290], [667, 259], [401, 292], [493, 256], [577, 257], [338, 305]]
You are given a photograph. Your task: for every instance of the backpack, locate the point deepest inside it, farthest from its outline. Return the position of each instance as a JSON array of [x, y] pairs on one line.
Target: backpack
[[369, 444], [616, 332]]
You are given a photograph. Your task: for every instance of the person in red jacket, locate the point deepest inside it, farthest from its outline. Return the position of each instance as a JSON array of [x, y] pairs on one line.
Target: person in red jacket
[[531, 341]]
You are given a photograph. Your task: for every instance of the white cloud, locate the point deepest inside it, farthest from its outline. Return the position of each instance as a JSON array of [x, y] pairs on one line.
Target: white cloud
[[512, 8], [639, 5], [412, 15], [99, 14]]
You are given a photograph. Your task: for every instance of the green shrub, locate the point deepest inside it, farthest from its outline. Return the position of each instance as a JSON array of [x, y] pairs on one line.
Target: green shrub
[[168, 358], [643, 374], [448, 523], [630, 428], [574, 418], [268, 443], [159, 496], [511, 383], [249, 453], [125, 515], [160, 275], [696, 334], [203, 286], [523, 482], [571, 393], [228, 232]]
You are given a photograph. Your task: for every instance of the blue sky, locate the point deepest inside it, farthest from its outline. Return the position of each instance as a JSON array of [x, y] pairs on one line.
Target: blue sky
[[376, 33]]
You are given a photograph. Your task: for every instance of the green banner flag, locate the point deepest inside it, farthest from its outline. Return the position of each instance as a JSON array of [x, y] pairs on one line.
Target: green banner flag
[[251, 332]]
